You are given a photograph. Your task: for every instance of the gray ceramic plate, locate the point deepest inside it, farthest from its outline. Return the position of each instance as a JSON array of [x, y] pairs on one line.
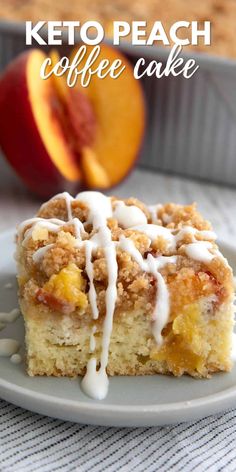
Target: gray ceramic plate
[[139, 401]]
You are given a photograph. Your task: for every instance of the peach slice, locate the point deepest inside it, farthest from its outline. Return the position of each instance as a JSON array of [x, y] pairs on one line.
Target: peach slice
[[106, 133], [118, 105], [58, 137], [94, 174], [80, 118], [31, 134]]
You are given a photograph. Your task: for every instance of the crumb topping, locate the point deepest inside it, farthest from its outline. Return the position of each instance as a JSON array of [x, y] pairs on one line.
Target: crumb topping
[[96, 257], [136, 288]]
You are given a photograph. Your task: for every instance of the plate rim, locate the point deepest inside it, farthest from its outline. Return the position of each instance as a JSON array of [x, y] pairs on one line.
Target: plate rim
[[138, 414]]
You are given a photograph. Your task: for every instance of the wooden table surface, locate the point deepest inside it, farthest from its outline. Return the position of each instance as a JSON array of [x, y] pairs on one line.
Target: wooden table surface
[[217, 203]]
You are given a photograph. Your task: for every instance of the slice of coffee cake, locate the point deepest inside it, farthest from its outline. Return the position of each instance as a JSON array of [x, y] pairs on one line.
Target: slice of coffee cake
[[110, 286]]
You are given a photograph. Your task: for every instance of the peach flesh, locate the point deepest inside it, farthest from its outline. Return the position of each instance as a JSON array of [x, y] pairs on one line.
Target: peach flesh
[[41, 94], [118, 105]]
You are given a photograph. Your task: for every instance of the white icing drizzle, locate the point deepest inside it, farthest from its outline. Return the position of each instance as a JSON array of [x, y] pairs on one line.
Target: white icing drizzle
[[29, 222], [218, 254], [153, 210], [99, 210], [51, 224], [79, 228], [161, 310], [68, 199], [152, 265], [92, 343], [185, 230], [154, 231], [8, 347], [167, 218], [199, 251], [10, 317], [128, 246], [95, 382], [128, 215], [92, 295], [40, 253]]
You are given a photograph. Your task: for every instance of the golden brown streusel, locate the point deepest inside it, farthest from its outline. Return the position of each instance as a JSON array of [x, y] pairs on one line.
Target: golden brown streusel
[[176, 216], [132, 282]]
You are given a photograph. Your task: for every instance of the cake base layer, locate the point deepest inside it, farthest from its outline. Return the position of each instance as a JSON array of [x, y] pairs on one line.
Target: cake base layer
[[195, 342]]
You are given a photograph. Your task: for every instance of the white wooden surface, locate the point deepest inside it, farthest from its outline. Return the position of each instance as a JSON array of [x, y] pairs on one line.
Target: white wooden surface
[[216, 203]]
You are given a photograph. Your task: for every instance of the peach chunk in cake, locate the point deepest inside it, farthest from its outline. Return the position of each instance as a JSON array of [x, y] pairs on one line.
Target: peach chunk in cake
[[111, 286]]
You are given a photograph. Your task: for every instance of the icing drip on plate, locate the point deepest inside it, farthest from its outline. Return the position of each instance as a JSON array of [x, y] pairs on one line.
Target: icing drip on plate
[[8, 346], [16, 358], [9, 317], [95, 382]]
